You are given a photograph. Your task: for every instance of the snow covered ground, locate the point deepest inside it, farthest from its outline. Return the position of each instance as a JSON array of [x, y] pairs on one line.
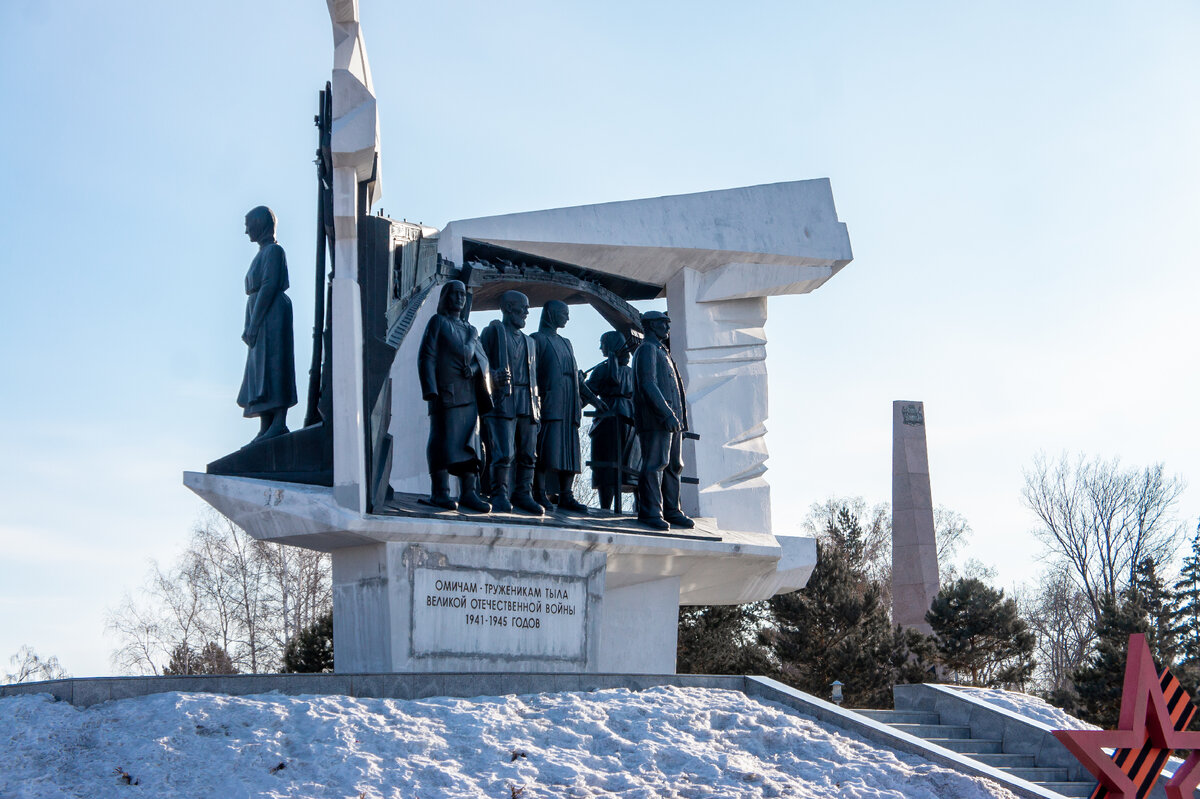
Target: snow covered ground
[[1031, 707], [663, 742]]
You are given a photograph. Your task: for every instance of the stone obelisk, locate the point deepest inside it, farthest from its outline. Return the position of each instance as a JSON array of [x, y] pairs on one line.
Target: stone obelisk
[[914, 548]]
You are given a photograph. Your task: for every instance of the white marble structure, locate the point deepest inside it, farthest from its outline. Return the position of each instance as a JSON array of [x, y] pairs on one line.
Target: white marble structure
[[915, 579], [418, 592]]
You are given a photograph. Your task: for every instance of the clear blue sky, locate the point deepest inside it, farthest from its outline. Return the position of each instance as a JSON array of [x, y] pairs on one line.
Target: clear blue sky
[[1019, 181]]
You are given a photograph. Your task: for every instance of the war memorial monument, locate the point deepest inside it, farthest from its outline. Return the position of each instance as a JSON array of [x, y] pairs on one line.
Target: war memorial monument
[[439, 464]]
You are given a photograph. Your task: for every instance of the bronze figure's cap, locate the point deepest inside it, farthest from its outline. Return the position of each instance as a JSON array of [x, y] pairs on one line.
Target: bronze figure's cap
[[650, 316]]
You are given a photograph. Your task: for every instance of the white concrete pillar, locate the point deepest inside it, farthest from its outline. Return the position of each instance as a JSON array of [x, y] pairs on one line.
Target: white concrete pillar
[[720, 348]]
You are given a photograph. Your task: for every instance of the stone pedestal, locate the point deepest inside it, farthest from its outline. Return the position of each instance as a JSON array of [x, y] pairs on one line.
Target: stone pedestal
[[448, 592], [429, 607], [914, 547]]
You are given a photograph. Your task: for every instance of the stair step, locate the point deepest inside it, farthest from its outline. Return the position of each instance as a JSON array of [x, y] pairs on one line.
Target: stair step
[[969, 746], [1004, 761], [1039, 774], [935, 730], [988, 751], [1070, 788], [901, 716]]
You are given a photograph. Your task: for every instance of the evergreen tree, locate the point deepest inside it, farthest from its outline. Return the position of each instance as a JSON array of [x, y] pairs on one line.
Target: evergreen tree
[[722, 639], [1100, 681], [846, 534], [980, 634], [836, 628], [1159, 607], [913, 657], [312, 649], [209, 659], [1187, 597]]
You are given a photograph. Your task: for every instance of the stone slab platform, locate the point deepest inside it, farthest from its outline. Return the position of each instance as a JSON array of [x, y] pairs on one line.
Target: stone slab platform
[[714, 566], [597, 520]]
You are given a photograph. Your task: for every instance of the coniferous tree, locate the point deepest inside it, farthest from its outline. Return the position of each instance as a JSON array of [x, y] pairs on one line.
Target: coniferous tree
[[980, 634], [913, 657], [722, 639], [1100, 681], [1187, 597], [847, 535], [1187, 619], [208, 659], [1159, 607], [312, 649], [836, 628]]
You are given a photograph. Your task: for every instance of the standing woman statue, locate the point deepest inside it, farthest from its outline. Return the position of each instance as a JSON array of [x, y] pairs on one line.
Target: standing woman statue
[[269, 384], [452, 366], [613, 438], [562, 394]]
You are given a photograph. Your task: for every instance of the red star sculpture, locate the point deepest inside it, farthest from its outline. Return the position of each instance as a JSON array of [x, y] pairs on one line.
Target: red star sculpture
[[1155, 712]]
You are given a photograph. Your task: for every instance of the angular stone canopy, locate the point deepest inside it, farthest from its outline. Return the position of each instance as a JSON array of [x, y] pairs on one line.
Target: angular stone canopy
[[754, 241]]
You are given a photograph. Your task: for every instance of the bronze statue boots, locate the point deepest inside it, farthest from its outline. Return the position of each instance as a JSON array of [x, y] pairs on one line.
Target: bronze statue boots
[[440, 496], [468, 497], [539, 492], [566, 495], [522, 498], [500, 487], [678, 520]]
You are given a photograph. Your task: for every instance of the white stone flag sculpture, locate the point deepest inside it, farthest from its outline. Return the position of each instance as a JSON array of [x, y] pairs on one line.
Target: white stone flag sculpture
[[355, 150]]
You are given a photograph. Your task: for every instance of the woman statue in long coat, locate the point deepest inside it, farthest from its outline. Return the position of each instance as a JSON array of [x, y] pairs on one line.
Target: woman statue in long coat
[[562, 395], [451, 363], [269, 383], [613, 439]]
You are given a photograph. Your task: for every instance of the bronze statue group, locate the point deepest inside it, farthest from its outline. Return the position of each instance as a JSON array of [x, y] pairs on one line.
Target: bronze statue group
[[529, 393], [527, 390]]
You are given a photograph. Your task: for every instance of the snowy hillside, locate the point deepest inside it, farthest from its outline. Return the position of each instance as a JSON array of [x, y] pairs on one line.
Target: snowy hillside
[[663, 742]]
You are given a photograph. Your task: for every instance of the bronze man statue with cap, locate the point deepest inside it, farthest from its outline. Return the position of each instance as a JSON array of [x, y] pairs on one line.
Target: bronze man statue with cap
[[562, 394], [512, 424], [660, 415], [451, 365]]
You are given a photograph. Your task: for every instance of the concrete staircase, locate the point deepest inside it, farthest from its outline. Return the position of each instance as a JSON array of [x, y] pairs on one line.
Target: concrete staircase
[[928, 725]]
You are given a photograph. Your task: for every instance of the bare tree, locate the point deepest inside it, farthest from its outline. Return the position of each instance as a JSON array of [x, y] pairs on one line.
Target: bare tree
[[140, 629], [30, 667], [950, 528], [1060, 616], [244, 561], [227, 591], [300, 591], [1099, 520], [168, 614]]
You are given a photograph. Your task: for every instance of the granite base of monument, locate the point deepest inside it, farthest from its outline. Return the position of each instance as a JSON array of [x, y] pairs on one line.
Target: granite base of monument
[[430, 607], [438, 592]]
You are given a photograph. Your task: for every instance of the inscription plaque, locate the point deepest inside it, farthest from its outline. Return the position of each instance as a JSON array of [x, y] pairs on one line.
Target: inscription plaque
[[490, 612]]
